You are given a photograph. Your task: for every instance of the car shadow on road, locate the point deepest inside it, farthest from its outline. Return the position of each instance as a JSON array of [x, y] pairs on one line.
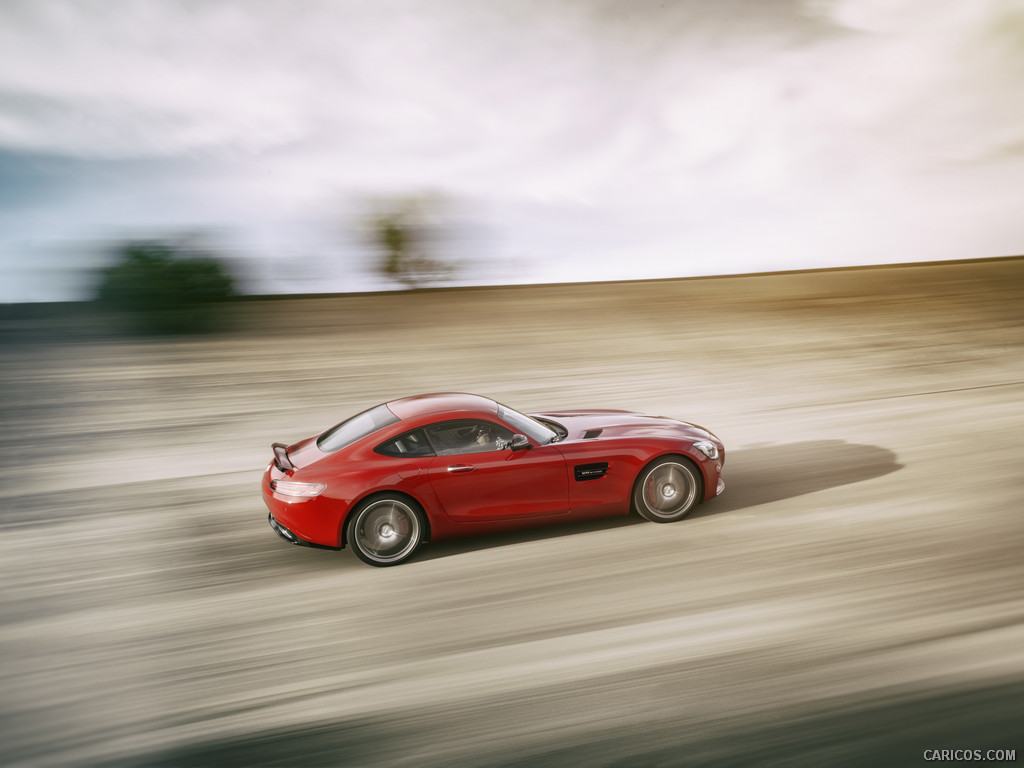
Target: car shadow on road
[[761, 474], [756, 475]]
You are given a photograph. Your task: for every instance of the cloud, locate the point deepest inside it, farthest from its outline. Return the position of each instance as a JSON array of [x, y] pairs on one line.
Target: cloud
[[479, 84], [760, 133]]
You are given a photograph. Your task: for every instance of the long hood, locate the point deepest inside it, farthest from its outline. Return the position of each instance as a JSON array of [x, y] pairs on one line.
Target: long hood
[[591, 424]]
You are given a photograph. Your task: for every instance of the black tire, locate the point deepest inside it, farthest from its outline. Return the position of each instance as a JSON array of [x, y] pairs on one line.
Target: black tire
[[668, 489], [385, 530]]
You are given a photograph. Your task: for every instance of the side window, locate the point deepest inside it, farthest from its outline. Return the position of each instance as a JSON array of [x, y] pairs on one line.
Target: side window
[[411, 444], [451, 438]]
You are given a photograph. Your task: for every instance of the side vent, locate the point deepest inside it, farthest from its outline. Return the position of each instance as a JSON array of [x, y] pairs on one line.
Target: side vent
[[592, 433], [591, 471]]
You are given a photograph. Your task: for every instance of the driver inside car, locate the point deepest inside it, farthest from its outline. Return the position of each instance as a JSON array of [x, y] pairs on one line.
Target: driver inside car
[[489, 438]]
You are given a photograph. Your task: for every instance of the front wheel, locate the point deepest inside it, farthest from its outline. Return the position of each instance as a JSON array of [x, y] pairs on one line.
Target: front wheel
[[385, 530], [667, 490]]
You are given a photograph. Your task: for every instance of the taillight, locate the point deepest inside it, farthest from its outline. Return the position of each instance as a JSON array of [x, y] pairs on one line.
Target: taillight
[[289, 488]]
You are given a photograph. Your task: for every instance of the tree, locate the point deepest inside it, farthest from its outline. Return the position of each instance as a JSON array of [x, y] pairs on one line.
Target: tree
[[165, 286], [405, 232]]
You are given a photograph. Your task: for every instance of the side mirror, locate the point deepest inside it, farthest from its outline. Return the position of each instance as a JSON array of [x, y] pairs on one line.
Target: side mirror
[[520, 443]]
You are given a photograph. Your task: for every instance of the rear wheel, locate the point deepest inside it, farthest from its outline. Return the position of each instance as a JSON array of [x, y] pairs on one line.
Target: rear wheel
[[385, 530], [667, 490]]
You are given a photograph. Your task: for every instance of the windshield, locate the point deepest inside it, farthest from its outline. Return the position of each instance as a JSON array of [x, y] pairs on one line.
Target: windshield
[[532, 428], [359, 426]]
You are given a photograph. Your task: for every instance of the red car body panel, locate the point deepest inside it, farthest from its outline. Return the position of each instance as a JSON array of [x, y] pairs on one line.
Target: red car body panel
[[501, 485], [589, 473]]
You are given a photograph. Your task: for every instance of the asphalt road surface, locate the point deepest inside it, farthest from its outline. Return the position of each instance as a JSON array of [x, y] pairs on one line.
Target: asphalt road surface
[[856, 596]]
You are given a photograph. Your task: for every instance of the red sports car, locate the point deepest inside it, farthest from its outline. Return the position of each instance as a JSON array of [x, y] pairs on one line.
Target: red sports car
[[438, 466]]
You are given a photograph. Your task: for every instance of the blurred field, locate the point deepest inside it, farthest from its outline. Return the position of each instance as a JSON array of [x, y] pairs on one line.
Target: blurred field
[[856, 595]]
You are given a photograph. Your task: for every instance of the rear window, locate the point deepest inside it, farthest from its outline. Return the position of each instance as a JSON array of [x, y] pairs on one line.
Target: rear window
[[356, 428]]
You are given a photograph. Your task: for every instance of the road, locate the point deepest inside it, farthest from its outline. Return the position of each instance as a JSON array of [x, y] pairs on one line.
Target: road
[[856, 595]]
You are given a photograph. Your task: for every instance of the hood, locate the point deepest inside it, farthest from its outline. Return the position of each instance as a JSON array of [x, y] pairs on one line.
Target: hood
[[622, 423]]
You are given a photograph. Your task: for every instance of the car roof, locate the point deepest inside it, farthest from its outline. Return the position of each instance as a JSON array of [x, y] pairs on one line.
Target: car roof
[[440, 402]]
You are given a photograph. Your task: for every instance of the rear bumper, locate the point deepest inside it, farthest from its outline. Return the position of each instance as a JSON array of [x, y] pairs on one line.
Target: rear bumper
[[290, 536]]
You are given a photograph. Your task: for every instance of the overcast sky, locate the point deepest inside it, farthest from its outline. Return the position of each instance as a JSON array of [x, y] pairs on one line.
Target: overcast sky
[[573, 139]]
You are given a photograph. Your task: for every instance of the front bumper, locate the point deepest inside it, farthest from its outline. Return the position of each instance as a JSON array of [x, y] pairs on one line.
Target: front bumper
[[291, 537]]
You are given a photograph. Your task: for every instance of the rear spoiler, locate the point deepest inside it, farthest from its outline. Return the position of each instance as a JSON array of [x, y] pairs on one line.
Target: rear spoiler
[[281, 460]]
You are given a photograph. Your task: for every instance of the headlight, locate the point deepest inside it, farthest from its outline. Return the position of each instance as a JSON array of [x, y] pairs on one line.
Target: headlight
[[706, 447], [287, 488]]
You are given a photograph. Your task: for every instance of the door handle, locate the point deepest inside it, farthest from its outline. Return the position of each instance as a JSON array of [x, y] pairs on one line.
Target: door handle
[[459, 468]]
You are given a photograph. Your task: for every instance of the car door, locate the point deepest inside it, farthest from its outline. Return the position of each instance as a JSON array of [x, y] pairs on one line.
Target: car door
[[477, 476]]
